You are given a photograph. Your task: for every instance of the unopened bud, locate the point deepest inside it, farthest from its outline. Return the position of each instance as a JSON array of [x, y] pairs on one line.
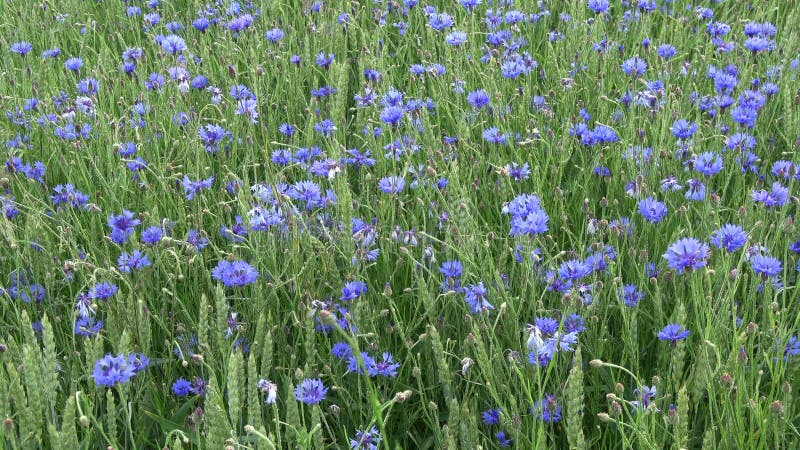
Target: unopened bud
[[726, 379], [401, 397], [604, 417], [84, 421], [249, 429], [334, 410], [596, 363]]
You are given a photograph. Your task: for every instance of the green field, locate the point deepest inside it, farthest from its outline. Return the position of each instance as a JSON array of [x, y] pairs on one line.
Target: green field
[[399, 224]]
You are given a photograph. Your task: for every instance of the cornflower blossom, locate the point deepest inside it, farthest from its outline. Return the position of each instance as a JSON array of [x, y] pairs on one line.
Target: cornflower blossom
[[310, 391], [687, 253], [111, 370], [366, 439], [475, 296], [234, 273], [527, 215], [190, 188], [122, 226], [673, 333], [652, 210], [766, 266], [547, 409], [270, 389], [729, 237]]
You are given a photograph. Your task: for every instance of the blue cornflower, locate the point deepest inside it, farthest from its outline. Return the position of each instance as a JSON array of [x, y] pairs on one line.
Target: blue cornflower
[[683, 129], [234, 273], [67, 195], [152, 235], [74, 64], [573, 269], [235, 232], [122, 226], [451, 269], [366, 439], [792, 348], [103, 291], [708, 163], [353, 290], [136, 260], [517, 172], [325, 127], [696, 190], [352, 363], [324, 61], [342, 350], [494, 136], [173, 44], [21, 48], [574, 324], [475, 296], [87, 326], [647, 395], [441, 21], [687, 253], [491, 416], [110, 370], [274, 35], [766, 266], [456, 38], [630, 295], [547, 409], [729, 237], [392, 184], [503, 440], [666, 51], [634, 66], [392, 115], [384, 368], [310, 391], [192, 187], [598, 6], [181, 387], [652, 210], [673, 333], [211, 136], [776, 198]]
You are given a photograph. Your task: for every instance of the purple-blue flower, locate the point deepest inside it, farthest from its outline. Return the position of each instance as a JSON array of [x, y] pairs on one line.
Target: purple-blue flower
[[310, 391], [687, 253], [652, 210], [234, 273], [673, 333], [392, 184], [766, 266], [729, 237]]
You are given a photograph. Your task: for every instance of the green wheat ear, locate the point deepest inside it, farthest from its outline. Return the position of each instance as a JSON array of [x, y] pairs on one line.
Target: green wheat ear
[[111, 417], [574, 403], [235, 384], [68, 435], [293, 422], [216, 426], [682, 425], [253, 400], [49, 363], [440, 359]]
